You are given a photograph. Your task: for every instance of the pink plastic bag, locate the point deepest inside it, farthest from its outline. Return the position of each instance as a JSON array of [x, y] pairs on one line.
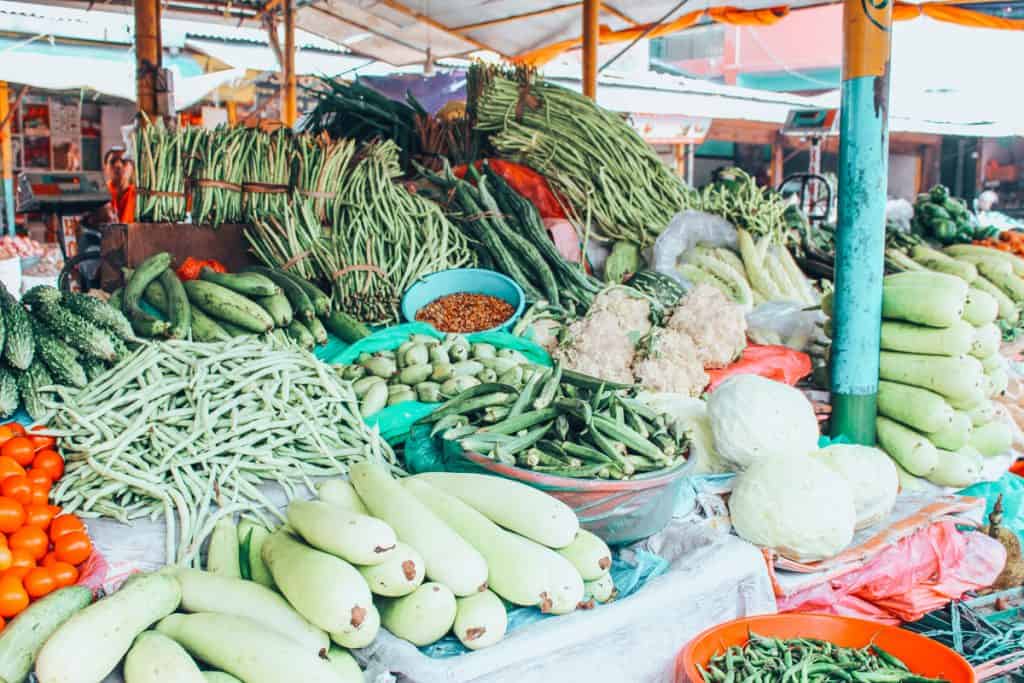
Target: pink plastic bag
[[917, 575], [779, 363]]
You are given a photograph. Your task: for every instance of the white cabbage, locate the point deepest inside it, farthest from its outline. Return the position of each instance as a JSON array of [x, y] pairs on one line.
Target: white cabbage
[[872, 477], [692, 413], [753, 417], [794, 505]]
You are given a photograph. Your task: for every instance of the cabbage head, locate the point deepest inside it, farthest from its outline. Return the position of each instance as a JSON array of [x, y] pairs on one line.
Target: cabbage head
[[795, 505], [872, 477], [753, 417]]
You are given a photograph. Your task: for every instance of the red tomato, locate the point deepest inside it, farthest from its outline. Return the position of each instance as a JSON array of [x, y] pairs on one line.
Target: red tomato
[[17, 487], [50, 462], [65, 573], [9, 467], [19, 448], [73, 548], [13, 598], [12, 515], [65, 524], [39, 515], [39, 582], [32, 540]]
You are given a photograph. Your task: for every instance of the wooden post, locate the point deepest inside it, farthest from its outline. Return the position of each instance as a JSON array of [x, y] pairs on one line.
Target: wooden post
[[776, 169], [680, 156], [591, 11], [6, 159], [148, 56], [232, 108], [289, 96]]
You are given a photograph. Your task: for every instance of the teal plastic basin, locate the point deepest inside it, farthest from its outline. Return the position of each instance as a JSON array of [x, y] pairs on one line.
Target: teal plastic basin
[[464, 280]]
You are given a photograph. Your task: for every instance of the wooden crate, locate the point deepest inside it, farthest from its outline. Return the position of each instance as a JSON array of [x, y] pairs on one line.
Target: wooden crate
[[128, 245]]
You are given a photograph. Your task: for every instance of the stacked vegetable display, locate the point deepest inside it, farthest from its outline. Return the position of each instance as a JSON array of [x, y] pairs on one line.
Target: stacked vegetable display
[[424, 557], [939, 369], [563, 424], [218, 306]]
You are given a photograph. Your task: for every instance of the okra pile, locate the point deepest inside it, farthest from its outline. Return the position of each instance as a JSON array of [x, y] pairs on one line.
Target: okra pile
[[806, 660], [431, 370], [563, 424]]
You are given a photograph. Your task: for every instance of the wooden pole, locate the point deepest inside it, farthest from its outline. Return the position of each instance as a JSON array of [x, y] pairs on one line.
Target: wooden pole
[[6, 159], [591, 12], [148, 56], [289, 91]]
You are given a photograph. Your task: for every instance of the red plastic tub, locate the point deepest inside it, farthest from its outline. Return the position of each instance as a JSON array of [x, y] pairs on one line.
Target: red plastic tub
[[922, 655]]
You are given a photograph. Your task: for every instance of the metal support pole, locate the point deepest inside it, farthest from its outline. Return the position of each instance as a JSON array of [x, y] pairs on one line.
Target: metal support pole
[[860, 240], [148, 56], [7, 159], [289, 91], [591, 11], [691, 169]]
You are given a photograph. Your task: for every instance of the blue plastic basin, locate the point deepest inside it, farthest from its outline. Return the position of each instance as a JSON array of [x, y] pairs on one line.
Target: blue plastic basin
[[464, 280]]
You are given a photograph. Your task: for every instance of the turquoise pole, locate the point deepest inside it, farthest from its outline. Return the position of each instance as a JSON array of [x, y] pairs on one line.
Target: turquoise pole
[[9, 205], [860, 239]]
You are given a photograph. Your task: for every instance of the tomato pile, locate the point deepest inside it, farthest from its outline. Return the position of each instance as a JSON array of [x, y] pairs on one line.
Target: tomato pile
[[40, 548]]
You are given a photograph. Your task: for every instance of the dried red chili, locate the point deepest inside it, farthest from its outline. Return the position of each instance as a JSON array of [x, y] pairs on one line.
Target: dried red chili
[[464, 312]]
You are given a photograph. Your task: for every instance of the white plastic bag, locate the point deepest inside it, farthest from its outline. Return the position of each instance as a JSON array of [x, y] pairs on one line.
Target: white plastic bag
[[685, 231], [785, 323], [899, 212]]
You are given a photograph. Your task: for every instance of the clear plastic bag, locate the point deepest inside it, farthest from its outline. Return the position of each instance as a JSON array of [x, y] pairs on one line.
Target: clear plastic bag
[[899, 212], [685, 231], [785, 323]]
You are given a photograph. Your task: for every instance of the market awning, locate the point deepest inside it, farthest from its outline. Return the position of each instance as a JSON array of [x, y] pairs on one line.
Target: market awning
[[246, 54]]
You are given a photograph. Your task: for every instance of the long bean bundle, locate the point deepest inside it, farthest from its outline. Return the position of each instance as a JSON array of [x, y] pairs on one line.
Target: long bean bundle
[[191, 431], [217, 193], [267, 182], [321, 171], [594, 158], [166, 159], [381, 238]]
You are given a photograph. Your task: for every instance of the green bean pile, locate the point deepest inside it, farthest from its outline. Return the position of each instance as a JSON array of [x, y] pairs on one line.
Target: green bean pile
[[217, 184], [322, 166], [165, 161], [590, 155], [806, 660], [191, 431], [381, 238], [736, 197]]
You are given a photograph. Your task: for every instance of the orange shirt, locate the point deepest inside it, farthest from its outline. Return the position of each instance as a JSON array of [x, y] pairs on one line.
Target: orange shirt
[[123, 202]]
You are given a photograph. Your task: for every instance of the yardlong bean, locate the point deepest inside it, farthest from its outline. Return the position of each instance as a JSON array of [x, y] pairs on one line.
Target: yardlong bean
[[225, 418]]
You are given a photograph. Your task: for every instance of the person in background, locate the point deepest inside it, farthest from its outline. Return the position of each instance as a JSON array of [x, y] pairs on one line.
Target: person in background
[[987, 200], [121, 183]]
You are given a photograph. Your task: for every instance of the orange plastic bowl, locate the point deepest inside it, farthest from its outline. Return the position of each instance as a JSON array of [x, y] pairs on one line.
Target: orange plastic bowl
[[922, 655]]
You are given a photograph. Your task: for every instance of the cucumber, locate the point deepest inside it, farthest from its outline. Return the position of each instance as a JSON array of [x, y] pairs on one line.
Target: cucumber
[[224, 304], [248, 284], [993, 438], [423, 616], [302, 307], [179, 310], [321, 302], [19, 343], [400, 574], [155, 658], [362, 636], [480, 620], [518, 567], [955, 340], [23, 638], [60, 359], [246, 649], [340, 492], [955, 436], [911, 450], [1008, 310], [345, 327], [278, 307], [344, 666], [589, 555], [219, 677], [99, 313], [601, 590], [205, 592], [449, 558], [324, 589], [998, 381], [957, 469], [148, 271], [986, 341], [300, 334], [519, 508], [355, 538], [960, 379], [222, 553], [981, 307], [1002, 276], [973, 252], [88, 646], [943, 263], [251, 537], [925, 298], [10, 400], [204, 328], [316, 330], [917, 408]]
